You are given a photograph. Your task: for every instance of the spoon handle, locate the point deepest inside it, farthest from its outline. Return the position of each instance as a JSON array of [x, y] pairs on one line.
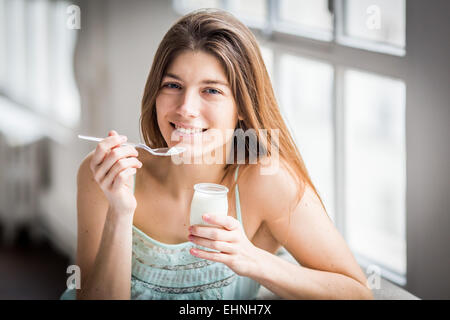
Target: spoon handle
[[90, 138], [101, 139], [171, 151]]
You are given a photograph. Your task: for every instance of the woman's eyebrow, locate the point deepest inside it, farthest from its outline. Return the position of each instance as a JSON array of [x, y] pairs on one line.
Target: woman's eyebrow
[[206, 81], [215, 82]]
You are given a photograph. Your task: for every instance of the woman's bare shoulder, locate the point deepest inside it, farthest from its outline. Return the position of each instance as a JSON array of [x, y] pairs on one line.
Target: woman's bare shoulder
[[268, 174], [85, 176], [271, 185]]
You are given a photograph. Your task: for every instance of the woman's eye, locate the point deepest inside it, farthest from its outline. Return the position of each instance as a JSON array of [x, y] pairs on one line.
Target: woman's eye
[[172, 86], [212, 91]]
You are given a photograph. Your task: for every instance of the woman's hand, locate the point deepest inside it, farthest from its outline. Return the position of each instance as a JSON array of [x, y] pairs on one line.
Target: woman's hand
[[236, 251], [113, 167]]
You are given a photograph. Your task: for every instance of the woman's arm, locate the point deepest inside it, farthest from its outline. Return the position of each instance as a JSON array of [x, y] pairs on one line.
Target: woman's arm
[[110, 275], [105, 217], [291, 281], [327, 267]]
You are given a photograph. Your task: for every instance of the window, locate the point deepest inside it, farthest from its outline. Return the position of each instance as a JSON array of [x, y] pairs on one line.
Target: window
[[36, 61], [306, 17], [380, 21], [345, 107], [306, 94], [253, 12], [375, 174]]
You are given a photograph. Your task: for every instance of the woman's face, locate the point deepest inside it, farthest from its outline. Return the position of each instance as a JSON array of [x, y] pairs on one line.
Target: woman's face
[[195, 104]]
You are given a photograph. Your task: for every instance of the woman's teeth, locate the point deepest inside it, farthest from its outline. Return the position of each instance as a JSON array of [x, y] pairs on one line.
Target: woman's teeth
[[188, 131]]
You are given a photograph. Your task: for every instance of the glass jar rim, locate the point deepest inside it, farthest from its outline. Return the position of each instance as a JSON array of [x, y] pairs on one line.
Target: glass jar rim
[[211, 188]]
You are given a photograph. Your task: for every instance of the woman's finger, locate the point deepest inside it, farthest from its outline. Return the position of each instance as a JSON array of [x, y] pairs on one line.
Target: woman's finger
[[112, 158], [104, 147], [212, 233], [213, 256], [117, 168], [222, 246], [226, 222], [122, 177]]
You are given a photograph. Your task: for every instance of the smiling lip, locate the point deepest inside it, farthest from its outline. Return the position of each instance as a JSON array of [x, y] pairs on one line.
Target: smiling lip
[[186, 126], [186, 132]]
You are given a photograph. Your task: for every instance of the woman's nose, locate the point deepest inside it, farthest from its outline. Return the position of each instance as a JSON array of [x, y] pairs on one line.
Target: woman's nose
[[190, 105]]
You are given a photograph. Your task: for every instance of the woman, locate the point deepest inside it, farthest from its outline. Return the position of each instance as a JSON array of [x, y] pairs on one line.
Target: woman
[[134, 240]]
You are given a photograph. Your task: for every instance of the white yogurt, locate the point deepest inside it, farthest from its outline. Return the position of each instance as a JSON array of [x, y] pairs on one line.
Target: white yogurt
[[208, 198]]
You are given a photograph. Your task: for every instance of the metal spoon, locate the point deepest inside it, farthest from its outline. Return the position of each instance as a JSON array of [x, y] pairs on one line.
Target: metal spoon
[[157, 152]]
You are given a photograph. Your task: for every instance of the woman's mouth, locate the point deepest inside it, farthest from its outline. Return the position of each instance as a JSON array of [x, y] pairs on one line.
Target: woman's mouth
[[187, 131]]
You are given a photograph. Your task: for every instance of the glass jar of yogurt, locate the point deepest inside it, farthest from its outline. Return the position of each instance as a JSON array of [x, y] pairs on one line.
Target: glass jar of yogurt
[[208, 198]]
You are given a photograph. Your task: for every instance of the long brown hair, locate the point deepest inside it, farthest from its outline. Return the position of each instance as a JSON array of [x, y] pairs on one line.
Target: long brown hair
[[219, 33]]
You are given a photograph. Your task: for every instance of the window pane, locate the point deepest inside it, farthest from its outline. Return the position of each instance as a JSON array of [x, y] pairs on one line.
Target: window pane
[[376, 20], [308, 13], [253, 12], [375, 168], [306, 88]]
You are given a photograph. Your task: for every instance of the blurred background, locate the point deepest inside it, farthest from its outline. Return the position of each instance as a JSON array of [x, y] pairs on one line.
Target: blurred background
[[362, 84]]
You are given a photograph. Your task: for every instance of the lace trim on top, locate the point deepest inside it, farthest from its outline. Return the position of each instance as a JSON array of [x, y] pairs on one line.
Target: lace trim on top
[[199, 288]]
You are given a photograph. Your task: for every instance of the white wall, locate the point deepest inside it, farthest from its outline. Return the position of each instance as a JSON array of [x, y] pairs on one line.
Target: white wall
[[428, 148]]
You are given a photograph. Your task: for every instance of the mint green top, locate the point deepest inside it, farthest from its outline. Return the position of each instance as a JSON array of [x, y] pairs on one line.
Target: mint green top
[[169, 271]]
